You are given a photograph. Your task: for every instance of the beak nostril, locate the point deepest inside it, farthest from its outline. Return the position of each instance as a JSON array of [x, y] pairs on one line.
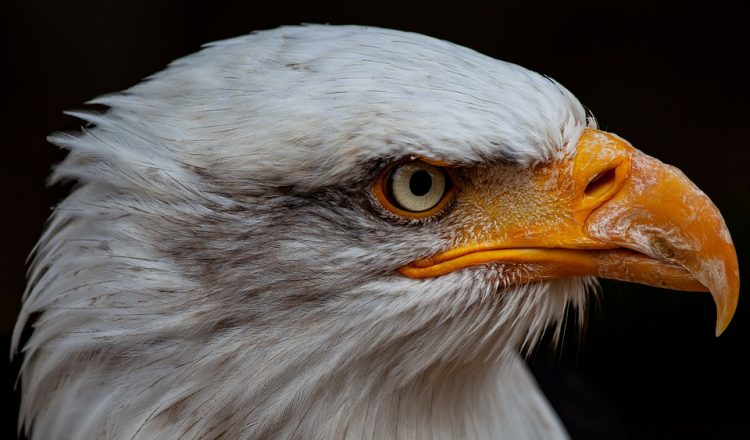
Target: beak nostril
[[601, 183]]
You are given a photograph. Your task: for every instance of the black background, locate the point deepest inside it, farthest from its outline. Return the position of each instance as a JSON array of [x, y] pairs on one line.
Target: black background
[[672, 79]]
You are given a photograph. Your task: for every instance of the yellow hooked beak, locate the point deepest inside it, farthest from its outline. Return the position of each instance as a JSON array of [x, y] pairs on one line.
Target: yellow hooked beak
[[608, 211]]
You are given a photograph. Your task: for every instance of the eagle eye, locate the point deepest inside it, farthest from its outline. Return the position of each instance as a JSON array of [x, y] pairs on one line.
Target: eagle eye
[[414, 188]]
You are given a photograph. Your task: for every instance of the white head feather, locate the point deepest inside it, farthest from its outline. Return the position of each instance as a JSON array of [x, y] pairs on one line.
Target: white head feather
[[221, 268]]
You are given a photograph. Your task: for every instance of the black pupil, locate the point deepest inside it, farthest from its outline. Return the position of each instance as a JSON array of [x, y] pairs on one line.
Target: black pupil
[[420, 183]]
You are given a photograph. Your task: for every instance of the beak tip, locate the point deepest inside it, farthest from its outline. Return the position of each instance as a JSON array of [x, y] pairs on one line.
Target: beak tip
[[725, 308]]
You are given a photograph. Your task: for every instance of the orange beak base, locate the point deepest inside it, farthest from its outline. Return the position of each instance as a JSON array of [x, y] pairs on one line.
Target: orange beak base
[[608, 211]]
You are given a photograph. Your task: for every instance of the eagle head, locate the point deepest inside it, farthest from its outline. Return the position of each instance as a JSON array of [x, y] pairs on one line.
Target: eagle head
[[338, 232]]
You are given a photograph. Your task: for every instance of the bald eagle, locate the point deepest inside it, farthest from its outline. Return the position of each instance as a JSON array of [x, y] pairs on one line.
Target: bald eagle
[[329, 232]]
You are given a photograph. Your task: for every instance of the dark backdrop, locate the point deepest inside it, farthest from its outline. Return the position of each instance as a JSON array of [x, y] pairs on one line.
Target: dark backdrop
[[671, 79]]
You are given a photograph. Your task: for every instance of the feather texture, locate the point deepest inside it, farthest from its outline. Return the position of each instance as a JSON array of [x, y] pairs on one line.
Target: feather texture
[[221, 271]]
